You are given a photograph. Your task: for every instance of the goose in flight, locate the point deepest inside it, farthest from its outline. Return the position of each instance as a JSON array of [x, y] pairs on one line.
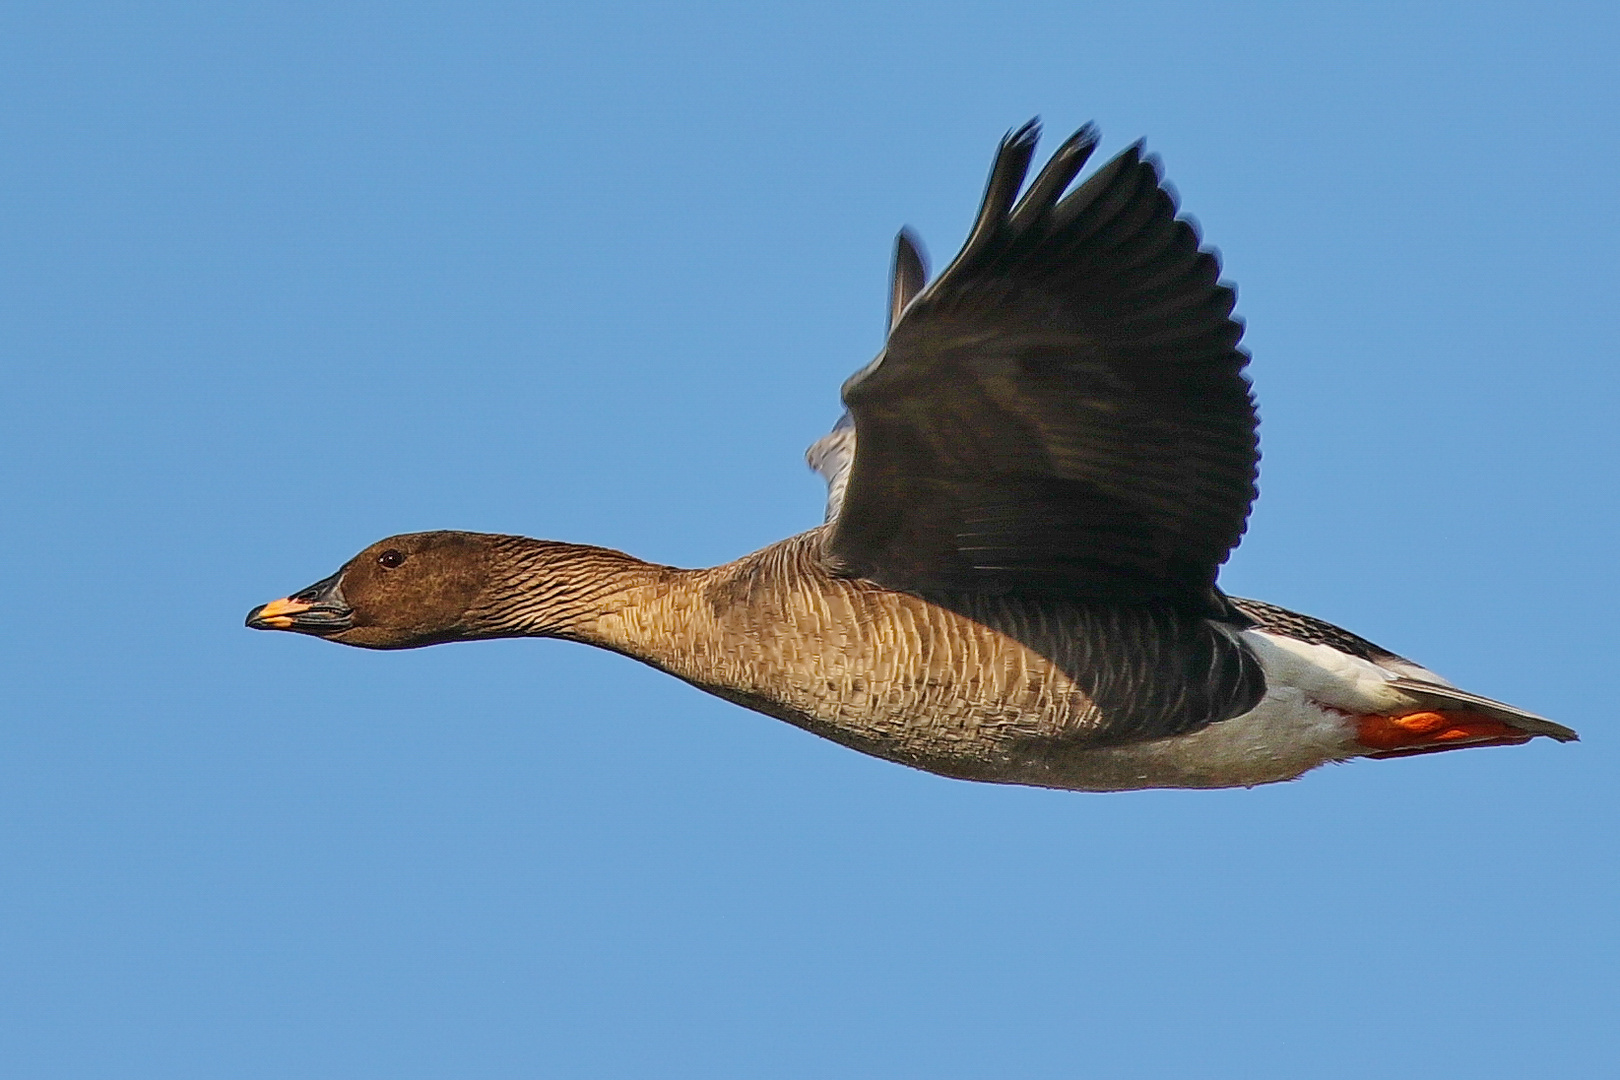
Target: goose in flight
[[1029, 498]]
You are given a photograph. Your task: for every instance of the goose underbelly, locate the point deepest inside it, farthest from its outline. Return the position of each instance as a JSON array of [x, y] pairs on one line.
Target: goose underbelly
[[1007, 692], [1028, 724], [1317, 704], [1307, 718], [1283, 737]]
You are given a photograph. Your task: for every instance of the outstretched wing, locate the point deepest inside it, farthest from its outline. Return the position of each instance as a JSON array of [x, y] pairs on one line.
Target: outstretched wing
[[1063, 411]]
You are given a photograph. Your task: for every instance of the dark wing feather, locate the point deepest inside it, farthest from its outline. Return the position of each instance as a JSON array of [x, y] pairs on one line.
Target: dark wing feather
[[910, 274], [1063, 411]]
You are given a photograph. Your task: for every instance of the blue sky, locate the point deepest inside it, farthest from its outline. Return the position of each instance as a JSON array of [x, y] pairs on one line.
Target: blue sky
[[278, 284]]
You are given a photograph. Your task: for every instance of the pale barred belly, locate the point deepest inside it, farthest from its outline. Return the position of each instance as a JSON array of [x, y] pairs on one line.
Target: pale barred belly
[[898, 678], [1015, 719], [889, 676], [1282, 738]]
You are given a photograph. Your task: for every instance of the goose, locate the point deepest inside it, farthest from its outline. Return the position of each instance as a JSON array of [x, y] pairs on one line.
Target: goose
[[1030, 495]]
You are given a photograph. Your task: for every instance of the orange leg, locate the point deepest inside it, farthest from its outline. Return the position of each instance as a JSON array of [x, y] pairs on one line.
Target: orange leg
[[1430, 732]]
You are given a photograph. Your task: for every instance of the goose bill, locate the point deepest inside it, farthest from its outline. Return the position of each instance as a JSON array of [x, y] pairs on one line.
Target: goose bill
[[318, 609]]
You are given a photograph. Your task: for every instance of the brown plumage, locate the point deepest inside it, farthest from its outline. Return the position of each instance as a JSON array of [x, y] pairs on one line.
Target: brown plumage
[[978, 687], [1029, 499]]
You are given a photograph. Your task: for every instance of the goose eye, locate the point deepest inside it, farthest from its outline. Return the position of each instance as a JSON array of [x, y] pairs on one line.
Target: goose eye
[[390, 559]]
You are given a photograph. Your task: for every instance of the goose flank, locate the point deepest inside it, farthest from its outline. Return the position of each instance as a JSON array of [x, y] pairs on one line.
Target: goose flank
[[1029, 498]]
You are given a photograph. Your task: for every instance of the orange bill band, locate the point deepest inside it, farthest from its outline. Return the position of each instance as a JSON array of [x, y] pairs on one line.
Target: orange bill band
[[279, 613]]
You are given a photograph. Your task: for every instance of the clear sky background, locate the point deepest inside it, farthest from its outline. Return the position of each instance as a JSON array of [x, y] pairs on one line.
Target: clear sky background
[[278, 283]]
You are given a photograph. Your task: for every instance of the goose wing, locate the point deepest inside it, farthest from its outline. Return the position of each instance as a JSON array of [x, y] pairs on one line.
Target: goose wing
[[1063, 411]]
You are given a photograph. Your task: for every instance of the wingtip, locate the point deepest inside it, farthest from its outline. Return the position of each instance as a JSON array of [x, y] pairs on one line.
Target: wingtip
[[1026, 134], [1086, 137], [908, 274], [910, 253], [1054, 179], [1007, 174]]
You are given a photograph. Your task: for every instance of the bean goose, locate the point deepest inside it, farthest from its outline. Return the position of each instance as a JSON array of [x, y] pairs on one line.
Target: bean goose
[[1029, 498]]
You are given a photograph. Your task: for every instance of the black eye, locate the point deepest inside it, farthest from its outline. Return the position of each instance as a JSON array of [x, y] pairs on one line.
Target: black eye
[[390, 559]]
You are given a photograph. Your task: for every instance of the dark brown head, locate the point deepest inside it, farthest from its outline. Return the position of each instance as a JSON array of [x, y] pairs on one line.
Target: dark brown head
[[399, 593]]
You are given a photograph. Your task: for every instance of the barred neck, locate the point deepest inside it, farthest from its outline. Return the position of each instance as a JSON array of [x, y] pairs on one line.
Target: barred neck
[[544, 588]]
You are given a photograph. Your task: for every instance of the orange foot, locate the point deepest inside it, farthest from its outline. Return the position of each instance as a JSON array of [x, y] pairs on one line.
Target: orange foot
[[1431, 732]]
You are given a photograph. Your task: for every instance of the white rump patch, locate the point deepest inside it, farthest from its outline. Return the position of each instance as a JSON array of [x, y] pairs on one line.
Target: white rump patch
[[1326, 675]]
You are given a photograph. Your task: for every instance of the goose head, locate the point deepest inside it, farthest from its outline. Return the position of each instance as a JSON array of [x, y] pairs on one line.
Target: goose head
[[399, 593]]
